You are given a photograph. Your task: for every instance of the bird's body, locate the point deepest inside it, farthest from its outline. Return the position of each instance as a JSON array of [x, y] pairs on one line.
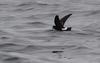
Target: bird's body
[[62, 29], [59, 23]]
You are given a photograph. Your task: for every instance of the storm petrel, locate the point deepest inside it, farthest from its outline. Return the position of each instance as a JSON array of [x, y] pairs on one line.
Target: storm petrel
[[59, 23]]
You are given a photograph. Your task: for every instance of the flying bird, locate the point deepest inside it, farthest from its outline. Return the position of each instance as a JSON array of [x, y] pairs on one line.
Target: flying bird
[[59, 23]]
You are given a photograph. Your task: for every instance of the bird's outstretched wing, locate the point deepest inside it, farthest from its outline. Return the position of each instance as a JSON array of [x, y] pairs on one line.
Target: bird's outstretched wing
[[57, 21], [63, 20]]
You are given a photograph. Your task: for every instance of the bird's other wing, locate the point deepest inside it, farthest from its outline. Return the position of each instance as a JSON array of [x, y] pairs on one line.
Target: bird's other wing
[[63, 20], [57, 21]]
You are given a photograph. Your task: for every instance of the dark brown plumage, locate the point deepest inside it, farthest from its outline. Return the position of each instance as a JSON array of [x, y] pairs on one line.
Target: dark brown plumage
[[59, 23]]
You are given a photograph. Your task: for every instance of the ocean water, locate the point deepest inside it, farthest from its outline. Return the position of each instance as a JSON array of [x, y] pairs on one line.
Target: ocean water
[[26, 34]]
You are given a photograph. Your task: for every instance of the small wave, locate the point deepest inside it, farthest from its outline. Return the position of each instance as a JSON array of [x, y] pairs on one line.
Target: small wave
[[35, 48], [93, 28], [8, 45], [22, 9], [29, 25], [32, 4], [49, 60], [83, 34], [36, 23], [95, 53], [7, 18], [2, 32], [31, 48], [43, 4], [81, 47], [25, 4], [93, 13], [58, 47], [12, 59], [45, 15], [31, 17], [5, 37], [3, 4], [6, 57]]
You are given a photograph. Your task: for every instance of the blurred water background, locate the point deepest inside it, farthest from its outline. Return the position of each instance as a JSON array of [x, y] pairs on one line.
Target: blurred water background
[[26, 36]]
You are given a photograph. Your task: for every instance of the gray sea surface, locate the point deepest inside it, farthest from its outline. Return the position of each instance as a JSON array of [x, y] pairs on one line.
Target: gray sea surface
[[26, 34]]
